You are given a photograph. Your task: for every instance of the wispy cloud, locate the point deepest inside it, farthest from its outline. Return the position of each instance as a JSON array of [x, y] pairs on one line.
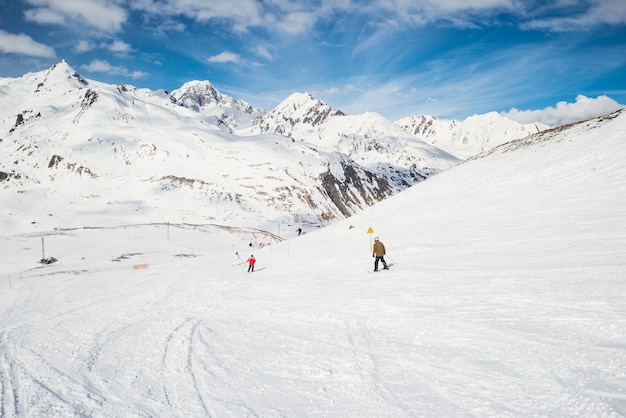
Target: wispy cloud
[[225, 57], [23, 44], [119, 47], [102, 66], [284, 17], [300, 16], [296, 22], [448, 84], [99, 14], [239, 17], [575, 16], [463, 13], [263, 52], [45, 16], [83, 46]]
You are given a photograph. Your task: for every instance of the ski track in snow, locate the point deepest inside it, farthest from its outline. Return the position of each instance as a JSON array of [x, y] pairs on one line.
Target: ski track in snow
[[367, 361], [9, 382], [178, 338]]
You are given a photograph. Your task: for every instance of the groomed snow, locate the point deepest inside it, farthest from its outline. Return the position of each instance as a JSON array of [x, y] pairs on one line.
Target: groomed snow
[[506, 298]]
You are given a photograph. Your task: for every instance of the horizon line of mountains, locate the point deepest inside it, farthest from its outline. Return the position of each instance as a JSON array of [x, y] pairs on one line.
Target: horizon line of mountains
[[303, 161]]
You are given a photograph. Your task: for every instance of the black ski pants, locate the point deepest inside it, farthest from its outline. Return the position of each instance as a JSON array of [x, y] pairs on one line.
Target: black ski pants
[[381, 258]]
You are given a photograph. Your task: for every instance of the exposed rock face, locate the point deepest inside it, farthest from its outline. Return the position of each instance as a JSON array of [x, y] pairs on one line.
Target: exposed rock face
[[355, 189], [54, 161], [4, 176]]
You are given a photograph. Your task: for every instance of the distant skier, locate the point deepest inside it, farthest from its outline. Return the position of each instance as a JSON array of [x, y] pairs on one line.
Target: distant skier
[[251, 262], [379, 254], [299, 231], [237, 259]]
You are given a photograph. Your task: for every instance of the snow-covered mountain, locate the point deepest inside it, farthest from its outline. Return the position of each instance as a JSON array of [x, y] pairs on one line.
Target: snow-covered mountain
[[99, 147], [204, 98], [368, 138], [471, 136]]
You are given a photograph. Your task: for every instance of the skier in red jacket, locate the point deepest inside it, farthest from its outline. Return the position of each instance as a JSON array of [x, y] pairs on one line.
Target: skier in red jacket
[[251, 262]]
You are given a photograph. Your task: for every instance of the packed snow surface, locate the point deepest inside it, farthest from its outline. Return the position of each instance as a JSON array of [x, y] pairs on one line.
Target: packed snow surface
[[506, 297]]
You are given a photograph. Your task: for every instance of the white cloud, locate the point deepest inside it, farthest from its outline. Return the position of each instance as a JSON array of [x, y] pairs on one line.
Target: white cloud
[[263, 52], [454, 5], [83, 46], [44, 16], [564, 15], [225, 57], [293, 17], [101, 66], [23, 44], [434, 9], [241, 16], [329, 92], [398, 14], [296, 22], [298, 16], [103, 15], [119, 47], [98, 66], [288, 17], [597, 12], [564, 112]]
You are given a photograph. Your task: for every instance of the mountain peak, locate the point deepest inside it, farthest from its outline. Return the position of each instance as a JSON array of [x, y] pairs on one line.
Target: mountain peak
[[305, 103], [62, 72], [199, 86], [299, 109], [199, 94]]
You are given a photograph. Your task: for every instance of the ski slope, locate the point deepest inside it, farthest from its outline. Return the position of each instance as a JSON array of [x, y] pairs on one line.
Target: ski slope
[[506, 298]]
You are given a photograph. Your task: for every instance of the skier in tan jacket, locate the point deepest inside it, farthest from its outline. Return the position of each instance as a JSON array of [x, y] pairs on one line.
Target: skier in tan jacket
[[379, 254]]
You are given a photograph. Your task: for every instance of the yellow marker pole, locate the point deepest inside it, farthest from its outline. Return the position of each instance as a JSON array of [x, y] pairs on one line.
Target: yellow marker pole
[[370, 231]]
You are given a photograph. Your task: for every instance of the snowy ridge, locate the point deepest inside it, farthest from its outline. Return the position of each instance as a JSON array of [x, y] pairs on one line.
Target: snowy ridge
[[563, 133], [471, 136], [506, 299]]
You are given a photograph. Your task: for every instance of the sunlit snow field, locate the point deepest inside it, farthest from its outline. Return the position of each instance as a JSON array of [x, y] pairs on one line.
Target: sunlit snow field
[[506, 298]]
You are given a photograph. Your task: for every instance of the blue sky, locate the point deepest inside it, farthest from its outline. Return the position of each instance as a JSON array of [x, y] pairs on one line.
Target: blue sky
[[552, 61]]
